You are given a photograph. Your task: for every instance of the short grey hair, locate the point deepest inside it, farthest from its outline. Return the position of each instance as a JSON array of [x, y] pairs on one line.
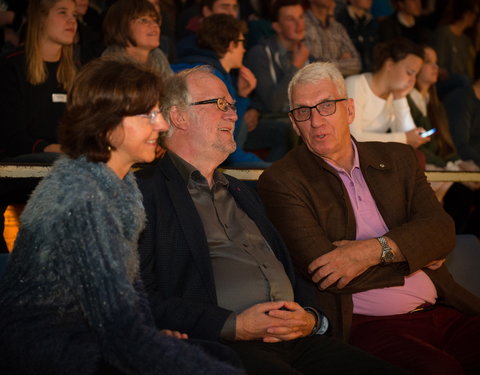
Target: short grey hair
[[315, 72], [177, 94]]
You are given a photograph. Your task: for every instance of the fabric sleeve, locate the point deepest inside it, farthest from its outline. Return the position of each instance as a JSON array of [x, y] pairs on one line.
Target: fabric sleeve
[[351, 65]]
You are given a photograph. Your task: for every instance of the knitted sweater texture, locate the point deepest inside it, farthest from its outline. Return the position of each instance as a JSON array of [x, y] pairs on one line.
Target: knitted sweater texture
[[70, 297]]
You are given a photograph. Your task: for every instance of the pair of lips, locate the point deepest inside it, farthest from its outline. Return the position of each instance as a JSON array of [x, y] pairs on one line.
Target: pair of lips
[[226, 130]]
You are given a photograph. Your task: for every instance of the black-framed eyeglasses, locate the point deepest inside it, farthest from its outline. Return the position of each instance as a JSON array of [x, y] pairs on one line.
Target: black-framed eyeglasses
[[152, 115], [325, 108], [221, 103]]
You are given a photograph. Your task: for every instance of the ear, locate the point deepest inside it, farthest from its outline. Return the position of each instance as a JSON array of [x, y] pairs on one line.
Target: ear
[[231, 46], [276, 27], [294, 125], [178, 118], [350, 110]]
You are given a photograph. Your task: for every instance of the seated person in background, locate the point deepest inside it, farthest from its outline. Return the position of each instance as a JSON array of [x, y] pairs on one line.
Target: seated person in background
[[212, 264], [221, 45], [208, 8], [274, 61], [33, 86], [381, 108], [405, 23], [463, 112], [427, 113], [34, 81], [71, 296], [132, 28], [88, 44], [362, 28], [361, 220], [456, 53], [328, 40]]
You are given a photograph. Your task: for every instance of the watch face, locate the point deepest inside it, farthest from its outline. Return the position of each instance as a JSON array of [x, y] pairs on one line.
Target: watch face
[[388, 256]]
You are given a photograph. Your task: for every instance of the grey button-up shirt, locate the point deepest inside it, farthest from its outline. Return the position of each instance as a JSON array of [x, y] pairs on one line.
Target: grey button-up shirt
[[246, 271]]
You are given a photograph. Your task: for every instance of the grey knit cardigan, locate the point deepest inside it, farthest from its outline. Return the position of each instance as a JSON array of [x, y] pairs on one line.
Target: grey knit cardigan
[[70, 297]]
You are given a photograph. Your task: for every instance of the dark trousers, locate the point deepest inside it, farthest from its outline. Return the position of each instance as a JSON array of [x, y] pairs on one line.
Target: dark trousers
[[438, 341], [308, 355]]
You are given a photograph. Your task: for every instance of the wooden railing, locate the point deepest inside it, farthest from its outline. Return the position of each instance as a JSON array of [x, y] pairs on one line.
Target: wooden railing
[[39, 171]]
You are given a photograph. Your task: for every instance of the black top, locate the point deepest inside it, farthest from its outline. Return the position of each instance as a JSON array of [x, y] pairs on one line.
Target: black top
[[29, 114]]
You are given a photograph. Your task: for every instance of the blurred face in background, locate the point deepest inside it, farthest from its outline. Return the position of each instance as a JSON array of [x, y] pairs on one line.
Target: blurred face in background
[[146, 31], [362, 4], [428, 74], [290, 25], [402, 74], [82, 7], [411, 7], [222, 7], [237, 50], [61, 23]]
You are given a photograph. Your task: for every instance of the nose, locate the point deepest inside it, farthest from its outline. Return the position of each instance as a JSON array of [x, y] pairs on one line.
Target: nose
[[231, 115], [159, 124], [316, 120]]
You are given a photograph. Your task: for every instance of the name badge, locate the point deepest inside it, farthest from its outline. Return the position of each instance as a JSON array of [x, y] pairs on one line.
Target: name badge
[[59, 98]]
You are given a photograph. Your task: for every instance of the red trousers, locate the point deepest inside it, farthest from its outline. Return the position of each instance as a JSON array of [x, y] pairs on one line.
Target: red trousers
[[437, 341]]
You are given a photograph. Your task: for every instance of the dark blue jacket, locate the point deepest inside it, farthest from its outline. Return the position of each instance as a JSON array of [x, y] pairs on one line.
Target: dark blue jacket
[[174, 255]]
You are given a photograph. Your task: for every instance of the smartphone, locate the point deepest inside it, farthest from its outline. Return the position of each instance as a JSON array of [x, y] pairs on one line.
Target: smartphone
[[428, 133]]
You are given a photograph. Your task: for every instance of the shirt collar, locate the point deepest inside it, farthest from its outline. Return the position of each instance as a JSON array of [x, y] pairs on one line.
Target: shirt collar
[[191, 174], [356, 161]]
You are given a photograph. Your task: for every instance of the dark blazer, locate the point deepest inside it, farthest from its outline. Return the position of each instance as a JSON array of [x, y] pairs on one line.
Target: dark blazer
[[174, 255], [306, 200]]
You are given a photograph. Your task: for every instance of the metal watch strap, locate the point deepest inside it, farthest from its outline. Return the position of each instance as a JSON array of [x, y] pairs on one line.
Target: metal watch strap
[[387, 253]]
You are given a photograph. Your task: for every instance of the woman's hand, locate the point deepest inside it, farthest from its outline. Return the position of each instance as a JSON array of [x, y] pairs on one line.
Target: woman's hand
[[414, 139]]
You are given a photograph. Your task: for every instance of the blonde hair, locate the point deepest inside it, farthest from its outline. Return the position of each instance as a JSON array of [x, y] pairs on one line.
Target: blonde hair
[[36, 68]]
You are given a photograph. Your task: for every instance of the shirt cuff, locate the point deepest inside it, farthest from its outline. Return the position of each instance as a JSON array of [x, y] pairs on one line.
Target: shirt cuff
[[229, 328], [321, 321]]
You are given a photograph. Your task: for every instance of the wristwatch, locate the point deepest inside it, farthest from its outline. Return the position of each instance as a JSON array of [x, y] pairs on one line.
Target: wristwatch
[[387, 252]]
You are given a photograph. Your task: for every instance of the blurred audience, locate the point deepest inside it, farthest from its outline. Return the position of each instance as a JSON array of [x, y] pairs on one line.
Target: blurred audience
[[362, 28], [88, 43], [405, 23], [455, 50], [328, 40], [428, 112], [132, 29], [221, 45], [206, 8]]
